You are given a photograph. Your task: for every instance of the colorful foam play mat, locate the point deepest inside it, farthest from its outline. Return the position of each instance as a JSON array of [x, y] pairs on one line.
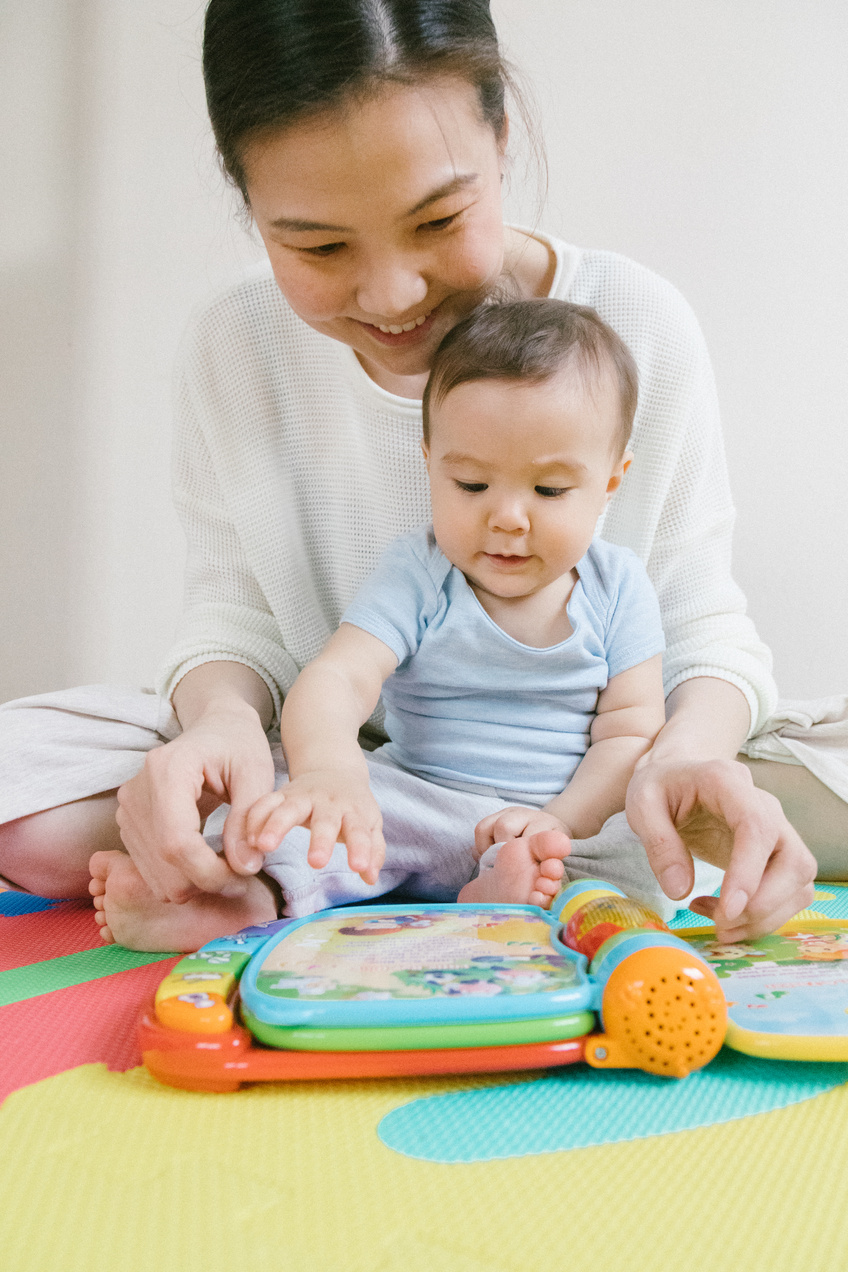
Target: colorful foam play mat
[[742, 1164]]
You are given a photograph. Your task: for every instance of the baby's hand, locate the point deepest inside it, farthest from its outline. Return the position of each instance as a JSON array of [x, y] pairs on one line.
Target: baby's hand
[[338, 807], [513, 823]]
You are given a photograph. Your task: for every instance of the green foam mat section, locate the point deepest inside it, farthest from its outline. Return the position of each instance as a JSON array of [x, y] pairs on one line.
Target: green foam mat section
[[20, 983]]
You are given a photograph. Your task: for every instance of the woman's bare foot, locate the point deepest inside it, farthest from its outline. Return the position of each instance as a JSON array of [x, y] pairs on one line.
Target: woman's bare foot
[[527, 871], [130, 915]]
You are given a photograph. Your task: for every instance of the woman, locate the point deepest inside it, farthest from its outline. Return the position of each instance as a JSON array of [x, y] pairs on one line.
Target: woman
[[368, 139]]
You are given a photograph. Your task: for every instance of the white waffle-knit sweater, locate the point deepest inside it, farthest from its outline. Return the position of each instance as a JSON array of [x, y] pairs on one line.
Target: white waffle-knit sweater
[[293, 470]]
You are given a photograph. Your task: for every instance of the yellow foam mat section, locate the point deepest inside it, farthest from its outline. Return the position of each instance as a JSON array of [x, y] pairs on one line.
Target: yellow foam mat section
[[110, 1170]]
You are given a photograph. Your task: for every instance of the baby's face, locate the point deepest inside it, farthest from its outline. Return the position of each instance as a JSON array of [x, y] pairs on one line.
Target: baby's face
[[519, 474]]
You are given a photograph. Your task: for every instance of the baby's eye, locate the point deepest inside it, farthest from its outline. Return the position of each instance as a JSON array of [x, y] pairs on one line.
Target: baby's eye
[[473, 487], [551, 492]]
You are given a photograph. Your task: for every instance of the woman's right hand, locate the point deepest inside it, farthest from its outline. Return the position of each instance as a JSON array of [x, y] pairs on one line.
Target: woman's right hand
[[223, 756]]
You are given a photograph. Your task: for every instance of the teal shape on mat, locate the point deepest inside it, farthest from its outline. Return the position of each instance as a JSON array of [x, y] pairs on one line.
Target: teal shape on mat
[[577, 1107]]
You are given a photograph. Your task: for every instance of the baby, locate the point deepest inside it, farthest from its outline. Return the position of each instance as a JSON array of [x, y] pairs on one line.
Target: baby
[[519, 659]]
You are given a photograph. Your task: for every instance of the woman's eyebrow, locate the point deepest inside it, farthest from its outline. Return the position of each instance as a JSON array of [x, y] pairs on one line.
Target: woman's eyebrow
[[459, 182], [295, 223]]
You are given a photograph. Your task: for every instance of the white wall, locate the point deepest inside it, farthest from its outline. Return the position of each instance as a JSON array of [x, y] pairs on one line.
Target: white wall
[[704, 139], [708, 140]]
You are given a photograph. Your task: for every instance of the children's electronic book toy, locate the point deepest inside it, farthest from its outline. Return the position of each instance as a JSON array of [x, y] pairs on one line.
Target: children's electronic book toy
[[391, 990]]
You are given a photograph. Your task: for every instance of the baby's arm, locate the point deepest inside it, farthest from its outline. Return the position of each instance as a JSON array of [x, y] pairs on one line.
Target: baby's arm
[[328, 790], [629, 715]]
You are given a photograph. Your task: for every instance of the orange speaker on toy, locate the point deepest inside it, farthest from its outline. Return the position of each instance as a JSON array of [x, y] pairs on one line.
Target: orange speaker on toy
[[661, 1006]]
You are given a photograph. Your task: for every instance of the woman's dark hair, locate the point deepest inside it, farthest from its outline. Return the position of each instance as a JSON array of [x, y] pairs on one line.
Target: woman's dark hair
[[269, 63], [533, 340]]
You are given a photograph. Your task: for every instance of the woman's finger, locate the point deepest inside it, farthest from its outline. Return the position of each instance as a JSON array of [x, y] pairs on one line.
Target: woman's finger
[[767, 859], [165, 843], [785, 886], [250, 779], [650, 817]]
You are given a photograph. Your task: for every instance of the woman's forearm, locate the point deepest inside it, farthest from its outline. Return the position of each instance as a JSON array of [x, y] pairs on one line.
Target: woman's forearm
[[706, 719], [221, 685]]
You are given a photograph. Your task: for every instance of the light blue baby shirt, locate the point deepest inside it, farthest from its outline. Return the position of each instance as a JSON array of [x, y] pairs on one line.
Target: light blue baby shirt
[[469, 704]]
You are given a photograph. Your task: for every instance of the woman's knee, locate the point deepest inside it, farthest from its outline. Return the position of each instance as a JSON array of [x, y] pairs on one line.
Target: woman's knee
[[819, 816], [47, 853]]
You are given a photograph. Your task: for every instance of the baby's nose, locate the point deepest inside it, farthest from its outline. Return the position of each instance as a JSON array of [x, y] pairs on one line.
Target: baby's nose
[[509, 515]]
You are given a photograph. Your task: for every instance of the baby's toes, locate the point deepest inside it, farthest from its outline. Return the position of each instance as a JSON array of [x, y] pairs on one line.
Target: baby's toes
[[551, 868], [548, 887], [540, 899]]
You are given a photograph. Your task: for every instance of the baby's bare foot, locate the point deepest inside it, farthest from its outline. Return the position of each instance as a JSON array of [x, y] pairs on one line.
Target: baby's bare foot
[[527, 871], [130, 915]]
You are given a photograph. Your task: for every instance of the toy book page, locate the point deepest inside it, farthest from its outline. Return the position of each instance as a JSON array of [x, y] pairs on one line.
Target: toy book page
[[417, 954], [793, 984]]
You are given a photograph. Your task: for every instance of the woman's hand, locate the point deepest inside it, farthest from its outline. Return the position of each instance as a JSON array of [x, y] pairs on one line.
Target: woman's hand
[[337, 806], [713, 810], [222, 757], [513, 823]]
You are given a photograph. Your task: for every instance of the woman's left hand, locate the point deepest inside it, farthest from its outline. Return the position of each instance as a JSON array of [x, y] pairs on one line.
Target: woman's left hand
[[713, 810]]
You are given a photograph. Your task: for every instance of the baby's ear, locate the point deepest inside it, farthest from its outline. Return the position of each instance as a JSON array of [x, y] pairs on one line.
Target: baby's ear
[[617, 474]]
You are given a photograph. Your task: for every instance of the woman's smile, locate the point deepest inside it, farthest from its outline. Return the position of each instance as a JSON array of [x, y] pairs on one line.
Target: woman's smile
[[400, 335]]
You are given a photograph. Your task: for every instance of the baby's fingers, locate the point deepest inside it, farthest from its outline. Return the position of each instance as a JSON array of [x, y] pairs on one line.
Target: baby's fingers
[[366, 849], [483, 837], [509, 823], [325, 830], [272, 817]]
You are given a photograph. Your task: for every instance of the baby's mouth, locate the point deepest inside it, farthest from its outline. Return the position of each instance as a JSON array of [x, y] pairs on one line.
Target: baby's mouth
[[502, 558]]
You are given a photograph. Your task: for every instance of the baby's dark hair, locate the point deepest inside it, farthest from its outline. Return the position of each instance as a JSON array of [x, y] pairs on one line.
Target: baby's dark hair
[[533, 340]]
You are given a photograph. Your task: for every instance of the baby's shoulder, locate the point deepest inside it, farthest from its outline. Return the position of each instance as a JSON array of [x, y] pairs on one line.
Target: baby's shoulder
[[609, 568], [415, 556]]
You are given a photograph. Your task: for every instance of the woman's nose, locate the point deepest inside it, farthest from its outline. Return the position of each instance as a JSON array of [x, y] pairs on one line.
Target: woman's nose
[[391, 290]]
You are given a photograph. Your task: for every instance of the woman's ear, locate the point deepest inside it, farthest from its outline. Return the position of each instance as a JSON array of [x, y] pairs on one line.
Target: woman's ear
[[425, 451], [617, 474]]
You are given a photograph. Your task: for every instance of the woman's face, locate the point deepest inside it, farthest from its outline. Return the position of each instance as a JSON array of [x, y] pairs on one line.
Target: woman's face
[[383, 222]]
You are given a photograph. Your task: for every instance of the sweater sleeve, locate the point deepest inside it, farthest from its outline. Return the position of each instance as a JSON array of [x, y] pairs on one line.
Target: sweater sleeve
[[675, 508], [226, 617], [708, 632]]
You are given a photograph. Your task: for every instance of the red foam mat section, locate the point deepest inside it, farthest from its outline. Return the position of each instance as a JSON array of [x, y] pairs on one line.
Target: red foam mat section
[[30, 938], [85, 1024]]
